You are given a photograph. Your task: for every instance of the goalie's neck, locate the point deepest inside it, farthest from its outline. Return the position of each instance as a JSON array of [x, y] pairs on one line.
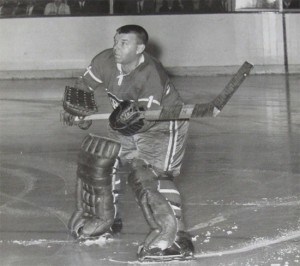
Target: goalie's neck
[[126, 69]]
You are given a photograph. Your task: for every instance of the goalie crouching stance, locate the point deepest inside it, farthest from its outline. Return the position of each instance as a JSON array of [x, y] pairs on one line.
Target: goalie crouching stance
[[153, 151]]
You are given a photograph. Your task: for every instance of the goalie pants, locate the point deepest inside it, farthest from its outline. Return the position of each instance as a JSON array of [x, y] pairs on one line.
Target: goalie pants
[[162, 149], [162, 146]]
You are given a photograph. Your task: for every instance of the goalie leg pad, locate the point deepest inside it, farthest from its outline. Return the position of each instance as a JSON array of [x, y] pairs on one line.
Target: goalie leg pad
[[77, 219], [169, 190], [95, 211], [183, 243], [157, 211], [182, 247]]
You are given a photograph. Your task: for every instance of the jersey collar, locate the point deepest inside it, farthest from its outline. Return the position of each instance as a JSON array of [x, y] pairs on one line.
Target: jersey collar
[[141, 60], [122, 75]]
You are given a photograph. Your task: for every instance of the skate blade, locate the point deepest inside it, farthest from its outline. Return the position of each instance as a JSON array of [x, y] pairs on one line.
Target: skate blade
[[105, 236], [166, 258]]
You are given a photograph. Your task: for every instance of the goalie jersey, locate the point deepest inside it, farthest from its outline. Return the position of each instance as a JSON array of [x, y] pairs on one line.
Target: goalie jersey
[[147, 84]]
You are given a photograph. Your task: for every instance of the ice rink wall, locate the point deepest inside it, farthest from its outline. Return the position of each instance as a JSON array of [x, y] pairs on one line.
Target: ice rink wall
[[200, 44]]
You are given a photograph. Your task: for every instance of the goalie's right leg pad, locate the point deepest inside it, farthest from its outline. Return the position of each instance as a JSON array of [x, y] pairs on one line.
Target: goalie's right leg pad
[[78, 218], [95, 212], [156, 209]]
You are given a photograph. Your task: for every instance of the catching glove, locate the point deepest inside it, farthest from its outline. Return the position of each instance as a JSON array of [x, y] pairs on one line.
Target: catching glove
[[78, 103]]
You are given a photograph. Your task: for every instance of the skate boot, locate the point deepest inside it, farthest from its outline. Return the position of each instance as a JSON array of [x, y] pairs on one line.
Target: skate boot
[[181, 249]]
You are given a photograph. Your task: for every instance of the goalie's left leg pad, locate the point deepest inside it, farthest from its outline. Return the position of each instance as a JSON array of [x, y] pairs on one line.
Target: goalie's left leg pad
[[182, 248], [156, 209], [95, 202], [183, 244]]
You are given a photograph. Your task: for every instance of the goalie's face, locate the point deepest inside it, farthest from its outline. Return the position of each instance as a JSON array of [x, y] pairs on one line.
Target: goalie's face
[[127, 48]]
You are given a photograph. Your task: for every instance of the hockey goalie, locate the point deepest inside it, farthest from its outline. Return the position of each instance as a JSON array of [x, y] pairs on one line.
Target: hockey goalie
[[145, 151]]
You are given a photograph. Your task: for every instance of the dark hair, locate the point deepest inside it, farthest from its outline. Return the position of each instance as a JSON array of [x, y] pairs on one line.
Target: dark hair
[[140, 32]]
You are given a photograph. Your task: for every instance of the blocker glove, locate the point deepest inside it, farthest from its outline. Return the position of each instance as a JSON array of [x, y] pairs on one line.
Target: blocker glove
[[126, 118]]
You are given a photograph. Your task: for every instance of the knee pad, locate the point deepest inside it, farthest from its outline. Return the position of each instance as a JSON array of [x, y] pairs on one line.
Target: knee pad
[[95, 210]]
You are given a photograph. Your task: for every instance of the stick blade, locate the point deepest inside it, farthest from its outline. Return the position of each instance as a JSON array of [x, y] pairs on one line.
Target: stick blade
[[222, 99]]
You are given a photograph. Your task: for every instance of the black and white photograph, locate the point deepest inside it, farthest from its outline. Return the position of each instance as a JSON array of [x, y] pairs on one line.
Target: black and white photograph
[[149, 132]]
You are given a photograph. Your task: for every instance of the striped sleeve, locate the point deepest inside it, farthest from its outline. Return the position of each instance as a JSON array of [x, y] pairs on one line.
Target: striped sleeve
[[92, 76]]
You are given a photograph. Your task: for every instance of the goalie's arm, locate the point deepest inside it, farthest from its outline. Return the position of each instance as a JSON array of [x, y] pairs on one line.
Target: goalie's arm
[[90, 79]]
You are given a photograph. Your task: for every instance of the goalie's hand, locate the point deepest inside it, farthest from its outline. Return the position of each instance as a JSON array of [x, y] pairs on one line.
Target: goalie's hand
[[126, 118], [70, 120], [67, 118]]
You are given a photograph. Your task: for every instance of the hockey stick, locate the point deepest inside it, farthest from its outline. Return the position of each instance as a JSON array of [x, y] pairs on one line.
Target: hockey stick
[[177, 112]]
